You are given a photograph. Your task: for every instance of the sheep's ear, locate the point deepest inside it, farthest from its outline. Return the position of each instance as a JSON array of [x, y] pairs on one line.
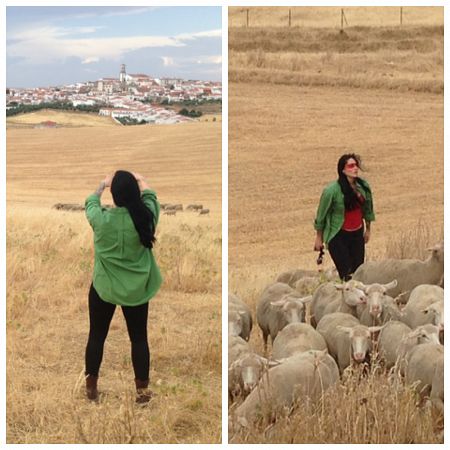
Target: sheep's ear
[[344, 329], [338, 286], [306, 299], [376, 329], [235, 365], [390, 285], [273, 362], [278, 303], [399, 298]]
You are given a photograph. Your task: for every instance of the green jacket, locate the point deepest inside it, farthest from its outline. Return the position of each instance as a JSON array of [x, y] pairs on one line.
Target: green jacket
[[125, 272], [331, 210]]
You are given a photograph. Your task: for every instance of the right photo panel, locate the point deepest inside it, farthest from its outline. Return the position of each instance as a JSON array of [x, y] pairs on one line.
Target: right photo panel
[[336, 225]]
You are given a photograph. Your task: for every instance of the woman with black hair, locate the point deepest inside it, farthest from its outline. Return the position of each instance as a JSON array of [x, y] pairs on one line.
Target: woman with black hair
[[125, 272], [344, 206]]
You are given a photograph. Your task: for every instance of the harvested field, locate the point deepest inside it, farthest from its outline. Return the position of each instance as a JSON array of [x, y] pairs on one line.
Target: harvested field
[[49, 270], [62, 118]]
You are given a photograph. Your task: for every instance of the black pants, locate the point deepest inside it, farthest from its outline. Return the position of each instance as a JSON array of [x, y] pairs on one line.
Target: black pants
[[100, 316], [347, 251]]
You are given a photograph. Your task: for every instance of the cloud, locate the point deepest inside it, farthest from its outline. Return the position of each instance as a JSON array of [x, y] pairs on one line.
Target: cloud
[[132, 11], [52, 44], [90, 60], [167, 61], [213, 59]]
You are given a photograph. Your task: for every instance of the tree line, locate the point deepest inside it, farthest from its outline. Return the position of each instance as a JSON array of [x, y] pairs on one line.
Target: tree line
[[20, 108]]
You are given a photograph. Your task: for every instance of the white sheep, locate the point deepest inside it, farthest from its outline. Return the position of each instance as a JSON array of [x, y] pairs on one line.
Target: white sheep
[[347, 340], [409, 273], [297, 338], [333, 297], [425, 370], [292, 276], [425, 305], [396, 339], [302, 377], [279, 306], [240, 320], [245, 372]]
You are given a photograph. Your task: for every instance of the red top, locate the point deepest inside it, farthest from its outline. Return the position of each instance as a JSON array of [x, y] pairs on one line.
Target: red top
[[353, 220]]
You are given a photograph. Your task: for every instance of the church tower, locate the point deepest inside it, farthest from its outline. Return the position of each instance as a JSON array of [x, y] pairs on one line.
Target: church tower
[[122, 77]]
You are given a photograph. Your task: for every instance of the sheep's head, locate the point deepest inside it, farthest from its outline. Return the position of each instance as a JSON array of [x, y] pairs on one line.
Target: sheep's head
[[291, 308], [360, 340], [376, 294], [352, 292]]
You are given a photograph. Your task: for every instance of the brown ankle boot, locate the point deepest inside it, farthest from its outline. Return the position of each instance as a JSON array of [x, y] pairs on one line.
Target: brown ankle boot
[[144, 394], [91, 387]]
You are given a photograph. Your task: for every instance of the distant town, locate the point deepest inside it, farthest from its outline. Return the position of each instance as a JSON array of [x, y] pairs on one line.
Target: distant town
[[128, 99]]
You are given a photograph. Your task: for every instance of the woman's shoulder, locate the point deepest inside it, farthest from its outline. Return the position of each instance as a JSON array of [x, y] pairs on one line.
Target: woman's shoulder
[[332, 187], [364, 183]]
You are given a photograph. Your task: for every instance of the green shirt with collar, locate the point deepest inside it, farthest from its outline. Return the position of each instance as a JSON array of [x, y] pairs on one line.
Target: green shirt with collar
[[125, 272], [331, 210]]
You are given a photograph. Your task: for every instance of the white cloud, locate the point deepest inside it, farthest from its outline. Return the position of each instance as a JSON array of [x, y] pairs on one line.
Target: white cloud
[[90, 60], [168, 61], [51, 44]]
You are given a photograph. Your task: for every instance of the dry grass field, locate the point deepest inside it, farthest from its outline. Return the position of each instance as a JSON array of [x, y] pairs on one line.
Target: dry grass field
[[365, 55], [49, 269], [62, 119], [292, 113]]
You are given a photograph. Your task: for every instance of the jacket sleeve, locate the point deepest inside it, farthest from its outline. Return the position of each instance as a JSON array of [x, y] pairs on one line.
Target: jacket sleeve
[[151, 202], [368, 211], [325, 202], [93, 210]]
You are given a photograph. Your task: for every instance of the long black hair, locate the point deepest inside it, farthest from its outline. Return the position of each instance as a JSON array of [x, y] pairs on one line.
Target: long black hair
[[125, 192], [351, 200]]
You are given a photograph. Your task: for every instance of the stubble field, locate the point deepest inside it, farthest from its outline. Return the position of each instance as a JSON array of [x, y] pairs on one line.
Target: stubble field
[[298, 99], [49, 269]]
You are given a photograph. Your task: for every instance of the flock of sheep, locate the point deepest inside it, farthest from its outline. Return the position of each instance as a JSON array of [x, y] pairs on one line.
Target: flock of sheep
[[172, 209], [391, 313]]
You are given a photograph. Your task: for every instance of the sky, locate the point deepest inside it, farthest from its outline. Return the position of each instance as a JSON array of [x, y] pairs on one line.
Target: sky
[[51, 46]]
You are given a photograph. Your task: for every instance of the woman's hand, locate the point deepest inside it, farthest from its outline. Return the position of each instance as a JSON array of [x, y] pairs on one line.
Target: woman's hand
[[141, 181], [366, 236], [318, 244], [107, 180]]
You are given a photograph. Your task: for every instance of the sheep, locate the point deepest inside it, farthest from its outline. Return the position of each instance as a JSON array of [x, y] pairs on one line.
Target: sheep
[[236, 348], [279, 306], [297, 338], [240, 320], [425, 305], [425, 370], [380, 307], [302, 377], [389, 341], [245, 372], [307, 285], [396, 339], [203, 212], [346, 338], [331, 297], [292, 276], [409, 273], [194, 207], [170, 212]]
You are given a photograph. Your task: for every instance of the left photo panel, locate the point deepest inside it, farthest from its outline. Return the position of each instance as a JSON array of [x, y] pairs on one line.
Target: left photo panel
[[113, 225]]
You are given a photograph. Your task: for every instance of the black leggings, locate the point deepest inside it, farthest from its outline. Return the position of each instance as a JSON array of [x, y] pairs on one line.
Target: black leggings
[[100, 316], [347, 252]]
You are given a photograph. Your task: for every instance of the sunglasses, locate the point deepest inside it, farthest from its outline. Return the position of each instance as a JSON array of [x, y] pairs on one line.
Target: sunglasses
[[351, 165]]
